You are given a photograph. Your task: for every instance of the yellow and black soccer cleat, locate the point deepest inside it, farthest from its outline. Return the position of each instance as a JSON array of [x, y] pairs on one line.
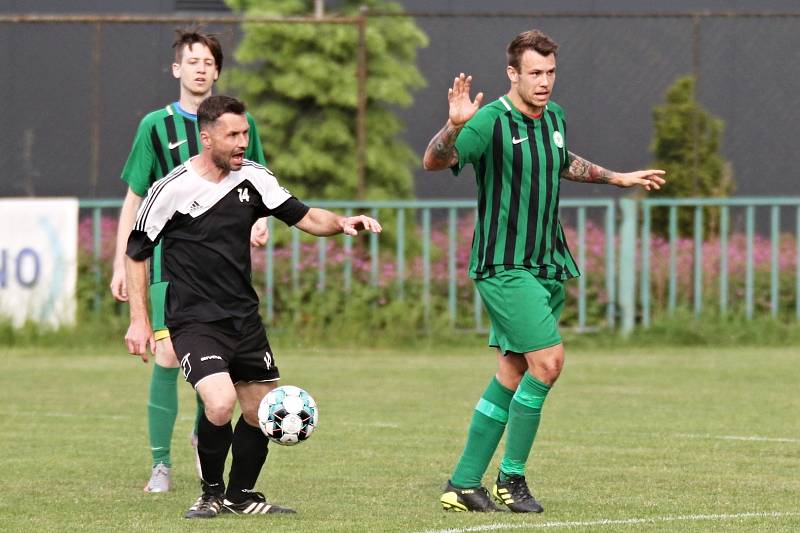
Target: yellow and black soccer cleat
[[475, 499], [514, 494]]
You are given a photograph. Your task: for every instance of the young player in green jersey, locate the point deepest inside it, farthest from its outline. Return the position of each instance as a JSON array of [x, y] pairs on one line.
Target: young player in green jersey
[[166, 138], [517, 146]]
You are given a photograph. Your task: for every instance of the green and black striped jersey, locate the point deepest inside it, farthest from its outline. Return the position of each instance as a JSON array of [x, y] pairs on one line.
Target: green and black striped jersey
[[166, 138], [518, 161]]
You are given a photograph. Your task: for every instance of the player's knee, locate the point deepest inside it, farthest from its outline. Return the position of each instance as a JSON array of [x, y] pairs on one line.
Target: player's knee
[[219, 411]]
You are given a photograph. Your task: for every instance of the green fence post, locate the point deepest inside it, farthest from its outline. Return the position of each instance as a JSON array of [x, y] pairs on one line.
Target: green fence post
[[401, 252], [373, 250], [96, 249], [672, 298], [426, 264], [644, 287], [775, 220], [698, 260], [295, 259], [451, 265], [581, 222], [627, 265], [322, 248], [611, 263], [724, 224], [748, 288]]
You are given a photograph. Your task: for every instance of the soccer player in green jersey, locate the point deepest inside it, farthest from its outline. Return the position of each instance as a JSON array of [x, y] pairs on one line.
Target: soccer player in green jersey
[[520, 260], [166, 138]]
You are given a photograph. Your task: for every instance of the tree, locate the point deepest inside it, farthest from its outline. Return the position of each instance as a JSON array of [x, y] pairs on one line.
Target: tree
[[299, 82], [686, 144]]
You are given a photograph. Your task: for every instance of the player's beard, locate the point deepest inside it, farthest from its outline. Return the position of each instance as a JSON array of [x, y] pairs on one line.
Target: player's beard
[[221, 161]]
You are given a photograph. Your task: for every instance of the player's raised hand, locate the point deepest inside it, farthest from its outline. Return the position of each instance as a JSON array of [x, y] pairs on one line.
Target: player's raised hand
[[352, 225], [461, 107], [139, 338], [649, 180]]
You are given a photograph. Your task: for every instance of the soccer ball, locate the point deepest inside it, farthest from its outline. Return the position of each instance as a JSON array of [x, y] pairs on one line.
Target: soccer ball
[[288, 415]]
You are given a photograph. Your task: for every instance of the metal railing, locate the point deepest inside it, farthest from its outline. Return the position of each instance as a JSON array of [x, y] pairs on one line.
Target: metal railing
[[422, 253]]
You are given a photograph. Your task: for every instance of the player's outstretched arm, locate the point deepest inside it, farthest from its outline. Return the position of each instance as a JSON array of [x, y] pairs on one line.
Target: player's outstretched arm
[[322, 223], [127, 216], [584, 171], [441, 152], [139, 336]]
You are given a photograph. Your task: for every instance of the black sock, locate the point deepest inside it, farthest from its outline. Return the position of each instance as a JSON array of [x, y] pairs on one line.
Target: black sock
[[249, 455], [213, 443]]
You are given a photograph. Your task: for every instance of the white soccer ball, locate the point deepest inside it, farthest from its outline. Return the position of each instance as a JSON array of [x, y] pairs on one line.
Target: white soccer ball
[[288, 415]]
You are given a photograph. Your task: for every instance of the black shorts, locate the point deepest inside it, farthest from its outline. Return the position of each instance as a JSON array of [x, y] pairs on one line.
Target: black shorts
[[206, 348]]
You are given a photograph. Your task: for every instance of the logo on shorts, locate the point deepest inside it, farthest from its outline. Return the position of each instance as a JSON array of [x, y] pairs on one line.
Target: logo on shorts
[[186, 366], [207, 357], [268, 359], [558, 140]]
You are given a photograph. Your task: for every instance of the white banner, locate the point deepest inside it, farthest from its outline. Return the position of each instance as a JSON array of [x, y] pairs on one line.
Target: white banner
[[38, 260]]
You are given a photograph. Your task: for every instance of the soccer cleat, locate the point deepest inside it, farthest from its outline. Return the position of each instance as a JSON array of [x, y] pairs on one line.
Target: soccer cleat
[[514, 494], [206, 506], [255, 503], [160, 480], [193, 442], [476, 499]]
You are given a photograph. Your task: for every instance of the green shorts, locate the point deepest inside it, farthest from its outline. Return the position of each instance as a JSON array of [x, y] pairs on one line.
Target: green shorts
[[524, 310]]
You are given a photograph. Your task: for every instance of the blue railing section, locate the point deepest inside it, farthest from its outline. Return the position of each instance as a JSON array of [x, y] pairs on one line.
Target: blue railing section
[[417, 230]]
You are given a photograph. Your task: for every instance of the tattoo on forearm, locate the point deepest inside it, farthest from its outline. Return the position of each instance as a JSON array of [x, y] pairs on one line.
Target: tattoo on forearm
[[441, 150], [585, 171]]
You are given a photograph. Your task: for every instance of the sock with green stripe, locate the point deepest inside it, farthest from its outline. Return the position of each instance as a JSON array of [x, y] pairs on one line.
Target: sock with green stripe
[[523, 422], [162, 410], [485, 431]]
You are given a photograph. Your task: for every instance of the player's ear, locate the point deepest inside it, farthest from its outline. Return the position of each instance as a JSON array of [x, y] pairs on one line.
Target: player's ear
[[512, 73], [176, 71], [205, 139]]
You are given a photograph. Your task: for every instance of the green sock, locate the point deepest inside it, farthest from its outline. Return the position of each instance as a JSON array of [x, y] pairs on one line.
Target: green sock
[[162, 410], [201, 409], [485, 432], [523, 421]]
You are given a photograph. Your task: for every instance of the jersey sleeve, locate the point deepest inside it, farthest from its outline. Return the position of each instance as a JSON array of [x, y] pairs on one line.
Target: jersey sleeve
[[278, 200], [255, 150], [472, 140], [138, 172], [156, 210]]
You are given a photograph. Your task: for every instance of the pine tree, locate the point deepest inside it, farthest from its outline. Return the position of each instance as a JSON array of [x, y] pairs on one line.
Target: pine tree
[[686, 144], [299, 82]]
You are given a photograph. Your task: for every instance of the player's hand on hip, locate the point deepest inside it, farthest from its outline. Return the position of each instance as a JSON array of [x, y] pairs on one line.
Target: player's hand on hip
[[119, 285], [649, 180], [461, 107], [352, 225], [139, 338], [259, 233]]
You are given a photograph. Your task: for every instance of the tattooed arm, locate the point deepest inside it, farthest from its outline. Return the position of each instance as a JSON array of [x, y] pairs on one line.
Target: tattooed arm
[[441, 152], [584, 171]]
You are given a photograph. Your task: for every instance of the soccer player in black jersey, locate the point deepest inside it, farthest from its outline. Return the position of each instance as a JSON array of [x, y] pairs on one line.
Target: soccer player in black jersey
[[517, 145], [202, 211], [166, 138]]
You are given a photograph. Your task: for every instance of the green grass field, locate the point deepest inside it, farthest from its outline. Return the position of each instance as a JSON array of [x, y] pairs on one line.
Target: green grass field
[[633, 439]]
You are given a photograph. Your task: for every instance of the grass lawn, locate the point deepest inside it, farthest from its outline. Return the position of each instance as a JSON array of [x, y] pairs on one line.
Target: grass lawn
[[655, 439]]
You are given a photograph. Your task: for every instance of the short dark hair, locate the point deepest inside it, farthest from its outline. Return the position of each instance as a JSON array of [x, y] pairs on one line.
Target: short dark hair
[[529, 40], [214, 107], [190, 36]]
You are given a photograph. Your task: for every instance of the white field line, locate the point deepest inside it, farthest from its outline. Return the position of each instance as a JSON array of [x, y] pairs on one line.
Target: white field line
[[608, 522], [754, 438]]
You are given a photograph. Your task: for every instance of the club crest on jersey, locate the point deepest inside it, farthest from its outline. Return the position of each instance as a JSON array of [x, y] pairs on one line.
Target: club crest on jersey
[[558, 140], [244, 194]]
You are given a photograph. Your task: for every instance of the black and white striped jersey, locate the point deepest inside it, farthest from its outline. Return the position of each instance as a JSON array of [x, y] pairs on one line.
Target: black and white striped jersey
[[205, 228]]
